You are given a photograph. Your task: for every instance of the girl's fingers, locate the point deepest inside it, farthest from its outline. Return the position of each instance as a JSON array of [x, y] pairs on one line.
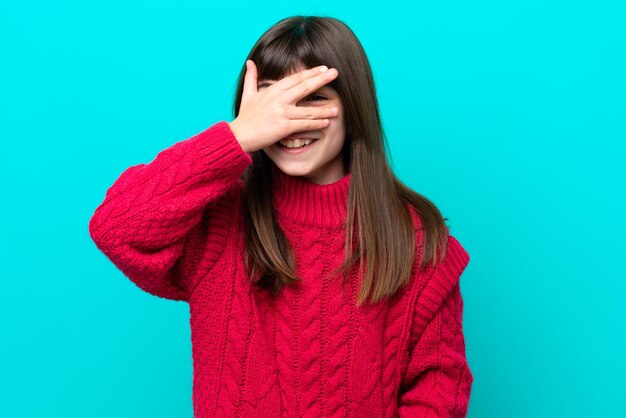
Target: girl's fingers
[[310, 85], [299, 125], [301, 112], [250, 80], [294, 79]]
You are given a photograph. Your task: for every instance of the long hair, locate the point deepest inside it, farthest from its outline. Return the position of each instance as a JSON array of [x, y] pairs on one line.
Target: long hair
[[379, 220]]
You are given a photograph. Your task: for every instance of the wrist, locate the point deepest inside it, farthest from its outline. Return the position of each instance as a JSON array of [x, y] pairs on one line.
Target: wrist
[[237, 134]]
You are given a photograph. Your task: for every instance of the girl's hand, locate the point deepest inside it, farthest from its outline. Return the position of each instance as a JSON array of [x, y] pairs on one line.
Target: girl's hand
[[269, 115]]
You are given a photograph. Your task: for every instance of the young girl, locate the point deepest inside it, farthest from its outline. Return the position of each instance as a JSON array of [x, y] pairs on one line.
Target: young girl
[[318, 284]]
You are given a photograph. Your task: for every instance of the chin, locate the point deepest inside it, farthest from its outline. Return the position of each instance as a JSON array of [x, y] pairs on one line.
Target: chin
[[294, 171]]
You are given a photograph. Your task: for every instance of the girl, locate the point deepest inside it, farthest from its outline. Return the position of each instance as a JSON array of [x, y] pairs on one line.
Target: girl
[[318, 284]]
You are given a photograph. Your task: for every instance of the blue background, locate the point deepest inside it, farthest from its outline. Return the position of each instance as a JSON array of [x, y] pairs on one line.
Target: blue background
[[508, 115]]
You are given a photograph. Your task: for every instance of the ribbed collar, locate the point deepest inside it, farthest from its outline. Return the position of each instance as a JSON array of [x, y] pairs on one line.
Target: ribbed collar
[[306, 202]]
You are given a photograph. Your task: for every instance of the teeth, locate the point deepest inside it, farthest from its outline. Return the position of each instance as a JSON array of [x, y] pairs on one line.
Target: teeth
[[295, 143]]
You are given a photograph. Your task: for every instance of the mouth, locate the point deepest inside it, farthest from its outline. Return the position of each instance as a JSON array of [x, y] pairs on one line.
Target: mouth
[[298, 145]]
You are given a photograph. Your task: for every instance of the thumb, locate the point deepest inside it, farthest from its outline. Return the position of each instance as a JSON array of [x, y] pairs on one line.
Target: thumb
[[250, 79]]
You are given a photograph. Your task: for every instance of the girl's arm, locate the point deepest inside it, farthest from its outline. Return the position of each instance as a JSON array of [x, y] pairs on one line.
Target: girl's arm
[[437, 382], [145, 222]]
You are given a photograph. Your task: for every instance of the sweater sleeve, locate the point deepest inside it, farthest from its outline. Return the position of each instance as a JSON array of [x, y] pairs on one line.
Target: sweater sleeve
[[149, 212], [437, 380]]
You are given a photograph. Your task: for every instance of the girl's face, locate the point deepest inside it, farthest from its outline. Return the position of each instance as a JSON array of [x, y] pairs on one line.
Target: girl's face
[[321, 161]]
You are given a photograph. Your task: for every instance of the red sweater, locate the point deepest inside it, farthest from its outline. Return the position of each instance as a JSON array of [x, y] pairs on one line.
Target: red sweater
[[174, 227]]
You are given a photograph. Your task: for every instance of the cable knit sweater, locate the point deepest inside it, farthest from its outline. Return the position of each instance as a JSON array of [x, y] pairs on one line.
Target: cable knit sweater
[[174, 227]]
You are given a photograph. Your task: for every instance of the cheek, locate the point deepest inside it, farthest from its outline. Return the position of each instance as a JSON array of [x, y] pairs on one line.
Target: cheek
[[337, 133], [337, 129], [336, 124], [271, 151]]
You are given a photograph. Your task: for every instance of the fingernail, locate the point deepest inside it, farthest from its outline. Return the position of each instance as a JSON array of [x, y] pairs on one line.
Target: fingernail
[[323, 68]]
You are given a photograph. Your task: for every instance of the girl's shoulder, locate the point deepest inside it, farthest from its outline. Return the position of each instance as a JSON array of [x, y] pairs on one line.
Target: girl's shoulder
[[455, 253]]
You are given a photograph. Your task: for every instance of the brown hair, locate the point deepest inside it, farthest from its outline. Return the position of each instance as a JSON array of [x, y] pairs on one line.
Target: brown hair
[[377, 202]]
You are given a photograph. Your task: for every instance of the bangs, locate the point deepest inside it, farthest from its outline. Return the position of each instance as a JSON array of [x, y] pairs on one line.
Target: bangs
[[286, 54]]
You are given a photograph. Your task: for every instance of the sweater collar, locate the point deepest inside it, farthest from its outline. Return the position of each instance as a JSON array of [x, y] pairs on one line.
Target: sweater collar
[[306, 202]]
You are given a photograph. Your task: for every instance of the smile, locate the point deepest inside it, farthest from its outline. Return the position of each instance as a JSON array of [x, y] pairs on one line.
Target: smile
[[296, 150]]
